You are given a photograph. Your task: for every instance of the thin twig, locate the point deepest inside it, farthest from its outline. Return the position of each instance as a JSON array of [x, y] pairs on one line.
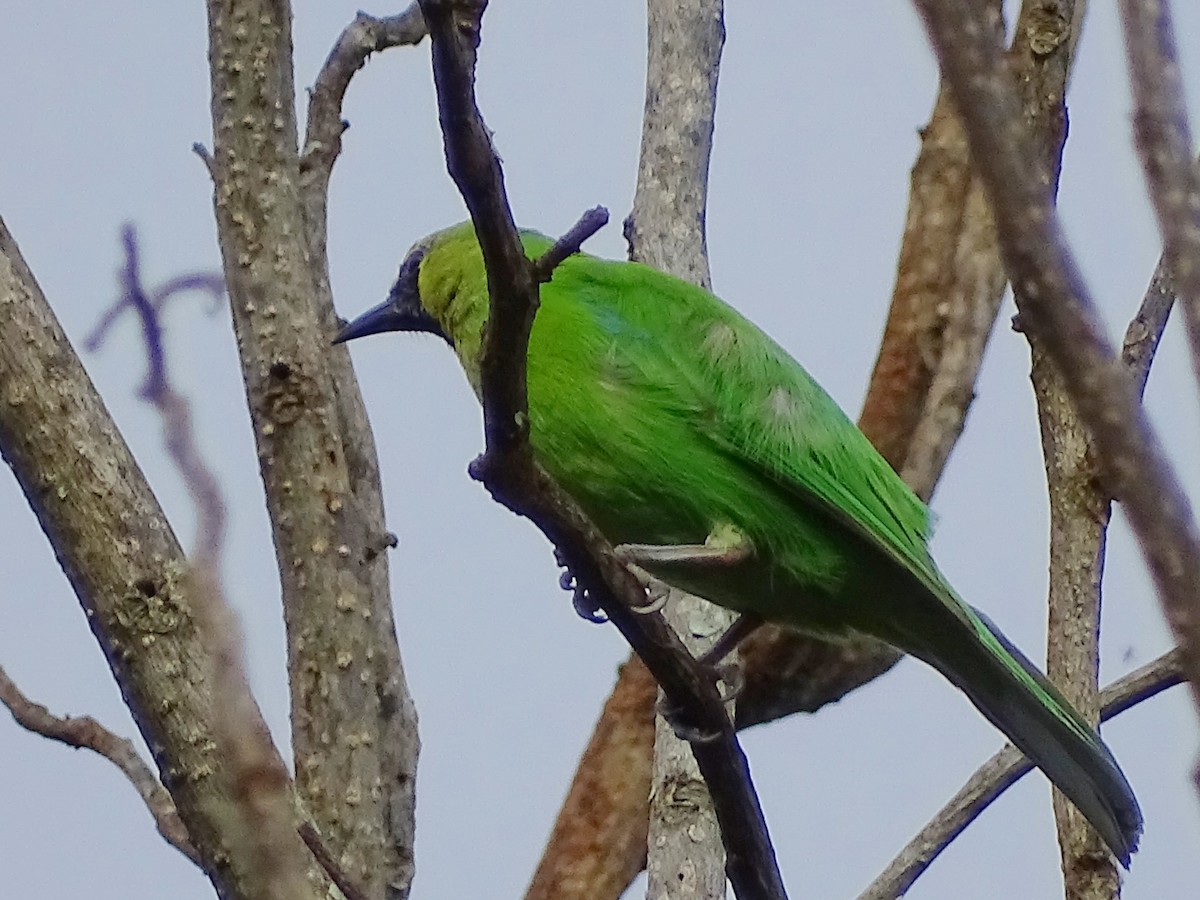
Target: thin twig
[[85, 733], [1147, 325], [1054, 303], [1164, 140], [508, 470], [206, 157], [260, 782], [1001, 772], [312, 840], [589, 223], [367, 34]]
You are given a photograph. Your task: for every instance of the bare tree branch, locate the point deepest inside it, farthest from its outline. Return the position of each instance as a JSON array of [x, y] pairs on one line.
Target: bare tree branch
[[666, 229], [85, 487], [367, 34], [85, 733], [1001, 772], [353, 724], [1164, 140], [1054, 304], [1079, 517], [1079, 508], [1146, 328], [393, 724], [508, 470]]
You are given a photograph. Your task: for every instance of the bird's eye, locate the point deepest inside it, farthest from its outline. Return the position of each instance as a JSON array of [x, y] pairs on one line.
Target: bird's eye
[[410, 268]]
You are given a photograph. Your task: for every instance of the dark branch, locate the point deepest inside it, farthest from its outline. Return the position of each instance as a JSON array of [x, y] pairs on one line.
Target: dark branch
[[508, 470], [475, 168], [312, 840], [589, 223]]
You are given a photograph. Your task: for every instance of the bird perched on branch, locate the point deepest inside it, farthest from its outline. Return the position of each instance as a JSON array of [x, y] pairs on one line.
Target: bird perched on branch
[[693, 441]]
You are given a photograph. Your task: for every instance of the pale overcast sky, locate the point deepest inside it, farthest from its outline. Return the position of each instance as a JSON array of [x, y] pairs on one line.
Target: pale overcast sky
[[817, 128]]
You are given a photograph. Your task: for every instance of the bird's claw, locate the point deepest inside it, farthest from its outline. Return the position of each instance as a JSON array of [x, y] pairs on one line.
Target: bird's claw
[[731, 676], [684, 730], [657, 594], [587, 608], [584, 605]]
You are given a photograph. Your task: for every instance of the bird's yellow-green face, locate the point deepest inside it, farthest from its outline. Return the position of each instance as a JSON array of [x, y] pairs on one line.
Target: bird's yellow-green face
[[451, 282], [441, 289], [435, 292]]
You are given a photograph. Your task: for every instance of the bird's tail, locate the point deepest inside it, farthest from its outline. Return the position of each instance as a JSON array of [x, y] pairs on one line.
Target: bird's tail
[[1018, 699]]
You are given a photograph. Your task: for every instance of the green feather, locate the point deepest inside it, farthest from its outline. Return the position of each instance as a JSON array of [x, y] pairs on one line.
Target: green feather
[[670, 417]]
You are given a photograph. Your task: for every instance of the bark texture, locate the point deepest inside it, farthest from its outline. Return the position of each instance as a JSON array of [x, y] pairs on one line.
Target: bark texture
[[119, 553], [353, 727]]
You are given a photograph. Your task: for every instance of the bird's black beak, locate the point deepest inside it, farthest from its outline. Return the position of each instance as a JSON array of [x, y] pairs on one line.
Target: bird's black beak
[[401, 311], [384, 317]]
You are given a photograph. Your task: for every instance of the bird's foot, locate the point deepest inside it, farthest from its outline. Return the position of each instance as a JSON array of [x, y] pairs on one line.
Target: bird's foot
[[657, 592], [729, 674], [684, 729], [585, 606], [731, 680], [743, 626]]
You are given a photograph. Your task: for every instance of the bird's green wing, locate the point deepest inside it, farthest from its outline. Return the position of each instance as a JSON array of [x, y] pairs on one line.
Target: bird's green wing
[[763, 410]]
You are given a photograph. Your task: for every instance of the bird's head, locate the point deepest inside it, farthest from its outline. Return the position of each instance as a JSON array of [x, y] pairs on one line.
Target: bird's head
[[441, 289]]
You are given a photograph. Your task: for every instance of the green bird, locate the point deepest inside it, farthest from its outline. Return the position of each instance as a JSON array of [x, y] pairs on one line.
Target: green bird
[[719, 466]]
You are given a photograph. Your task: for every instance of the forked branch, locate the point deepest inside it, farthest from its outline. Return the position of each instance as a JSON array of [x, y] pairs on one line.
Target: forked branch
[[1002, 771]]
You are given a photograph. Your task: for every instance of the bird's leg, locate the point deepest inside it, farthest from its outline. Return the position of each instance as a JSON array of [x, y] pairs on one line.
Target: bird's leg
[[744, 626], [729, 674], [725, 546]]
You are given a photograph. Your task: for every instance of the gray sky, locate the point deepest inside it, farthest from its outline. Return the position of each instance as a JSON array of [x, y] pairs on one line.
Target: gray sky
[[816, 131]]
